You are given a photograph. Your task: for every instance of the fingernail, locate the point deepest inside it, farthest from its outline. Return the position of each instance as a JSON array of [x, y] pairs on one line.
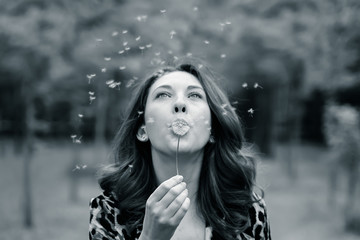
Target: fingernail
[[180, 178]]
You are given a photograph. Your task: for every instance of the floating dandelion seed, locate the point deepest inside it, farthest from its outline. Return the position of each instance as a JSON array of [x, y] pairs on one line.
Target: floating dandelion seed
[[121, 52], [124, 31], [108, 82], [141, 47], [90, 76], [107, 58], [98, 39], [244, 85], [79, 167], [172, 33], [78, 141], [149, 45], [122, 67], [92, 98], [163, 11], [222, 25], [223, 55], [138, 38], [140, 113], [170, 52], [189, 54], [130, 83], [115, 34], [127, 48], [227, 22], [73, 137], [206, 42], [125, 43], [200, 66], [256, 85], [91, 93], [235, 102], [80, 115], [176, 58], [251, 112], [141, 18], [115, 84], [224, 105], [103, 70], [157, 54], [195, 9]]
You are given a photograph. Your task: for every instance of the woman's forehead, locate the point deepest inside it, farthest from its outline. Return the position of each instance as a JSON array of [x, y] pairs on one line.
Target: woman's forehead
[[177, 78]]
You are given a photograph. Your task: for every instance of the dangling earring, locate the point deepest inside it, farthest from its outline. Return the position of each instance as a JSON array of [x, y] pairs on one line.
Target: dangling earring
[[142, 135], [212, 139]]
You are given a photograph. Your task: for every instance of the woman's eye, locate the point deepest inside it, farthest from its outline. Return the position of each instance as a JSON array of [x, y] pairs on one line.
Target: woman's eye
[[195, 95], [162, 95]]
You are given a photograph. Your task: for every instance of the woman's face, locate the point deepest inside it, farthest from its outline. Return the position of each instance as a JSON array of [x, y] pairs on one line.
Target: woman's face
[[173, 97]]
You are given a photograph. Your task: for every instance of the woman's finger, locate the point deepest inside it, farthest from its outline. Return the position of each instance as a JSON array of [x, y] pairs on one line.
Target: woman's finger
[[179, 215], [173, 193], [164, 187], [176, 204]]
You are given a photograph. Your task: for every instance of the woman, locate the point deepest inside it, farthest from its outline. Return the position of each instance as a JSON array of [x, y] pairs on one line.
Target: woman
[[179, 123]]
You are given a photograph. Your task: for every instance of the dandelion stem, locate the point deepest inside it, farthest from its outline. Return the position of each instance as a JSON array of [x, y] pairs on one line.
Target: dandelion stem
[[176, 157]]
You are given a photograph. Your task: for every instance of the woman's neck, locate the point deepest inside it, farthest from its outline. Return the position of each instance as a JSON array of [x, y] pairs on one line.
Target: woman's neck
[[189, 167]]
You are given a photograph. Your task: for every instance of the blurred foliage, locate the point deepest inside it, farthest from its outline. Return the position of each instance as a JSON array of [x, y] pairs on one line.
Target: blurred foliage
[[66, 52]]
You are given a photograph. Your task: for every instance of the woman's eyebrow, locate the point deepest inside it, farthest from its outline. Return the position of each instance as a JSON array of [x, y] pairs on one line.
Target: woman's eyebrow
[[194, 87], [164, 86]]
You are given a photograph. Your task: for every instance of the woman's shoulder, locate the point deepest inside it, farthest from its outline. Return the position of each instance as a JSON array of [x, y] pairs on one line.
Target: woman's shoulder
[[259, 224], [103, 217]]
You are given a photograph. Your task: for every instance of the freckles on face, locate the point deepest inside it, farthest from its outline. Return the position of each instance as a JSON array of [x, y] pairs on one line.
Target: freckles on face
[[177, 96]]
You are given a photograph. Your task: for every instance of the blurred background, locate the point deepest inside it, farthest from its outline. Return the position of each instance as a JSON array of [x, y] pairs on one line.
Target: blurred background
[[67, 70]]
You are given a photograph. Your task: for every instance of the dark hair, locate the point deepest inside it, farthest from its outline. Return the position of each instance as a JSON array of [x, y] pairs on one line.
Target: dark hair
[[228, 170]]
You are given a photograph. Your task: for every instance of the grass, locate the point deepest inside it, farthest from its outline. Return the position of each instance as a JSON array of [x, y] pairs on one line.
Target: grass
[[297, 208]]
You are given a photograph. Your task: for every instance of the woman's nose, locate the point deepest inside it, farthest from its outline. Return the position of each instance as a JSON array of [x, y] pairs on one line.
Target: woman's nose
[[179, 107]]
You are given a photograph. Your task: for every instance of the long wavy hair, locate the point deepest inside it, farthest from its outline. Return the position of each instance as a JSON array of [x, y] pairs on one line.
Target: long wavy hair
[[228, 170]]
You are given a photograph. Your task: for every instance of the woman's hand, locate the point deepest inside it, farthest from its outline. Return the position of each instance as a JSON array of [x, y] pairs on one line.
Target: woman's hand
[[165, 208]]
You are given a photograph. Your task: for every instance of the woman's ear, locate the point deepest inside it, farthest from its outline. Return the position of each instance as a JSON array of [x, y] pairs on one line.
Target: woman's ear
[[142, 135]]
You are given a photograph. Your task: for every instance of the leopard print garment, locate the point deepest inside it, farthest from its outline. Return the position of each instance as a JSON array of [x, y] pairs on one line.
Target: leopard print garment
[[106, 222]]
